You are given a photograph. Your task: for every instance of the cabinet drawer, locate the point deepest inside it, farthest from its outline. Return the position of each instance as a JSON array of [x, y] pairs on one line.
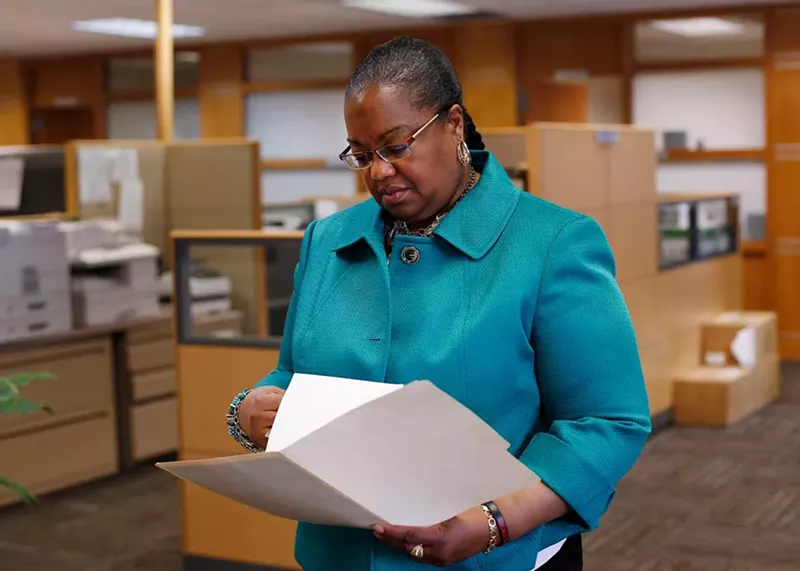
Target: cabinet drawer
[[157, 329], [153, 384], [152, 355], [154, 428], [83, 381], [50, 460]]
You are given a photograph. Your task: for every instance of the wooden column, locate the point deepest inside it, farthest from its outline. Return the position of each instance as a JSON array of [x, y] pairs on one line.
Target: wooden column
[[486, 62], [783, 160], [13, 104], [220, 92], [165, 91]]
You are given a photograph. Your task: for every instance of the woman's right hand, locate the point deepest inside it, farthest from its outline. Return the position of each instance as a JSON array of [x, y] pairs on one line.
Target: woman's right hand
[[257, 413]]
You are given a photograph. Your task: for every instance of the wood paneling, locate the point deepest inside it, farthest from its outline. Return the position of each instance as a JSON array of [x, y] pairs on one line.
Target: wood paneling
[[13, 104], [543, 48], [67, 99], [68, 82], [756, 292], [548, 46], [209, 377], [783, 200], [221, 103], [548, 101], [782, 26], [57, 126], [219, 528], [486, 63]]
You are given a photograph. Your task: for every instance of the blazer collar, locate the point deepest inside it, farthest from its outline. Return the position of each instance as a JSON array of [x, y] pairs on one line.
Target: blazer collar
[[478, 220], [472, 227]]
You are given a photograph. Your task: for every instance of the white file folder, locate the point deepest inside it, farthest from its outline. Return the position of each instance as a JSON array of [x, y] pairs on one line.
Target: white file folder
[[356, 453]]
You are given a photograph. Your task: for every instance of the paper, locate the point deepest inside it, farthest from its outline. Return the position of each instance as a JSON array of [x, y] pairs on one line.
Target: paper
[[94, 175], [11, 170], [354, 453], [124, 165], [314, 401], [131, 206], [744, 347]]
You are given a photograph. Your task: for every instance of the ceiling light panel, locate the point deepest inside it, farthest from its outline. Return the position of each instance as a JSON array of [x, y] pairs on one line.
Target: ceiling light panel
[[413, 8], [131, 28], [699, 27]]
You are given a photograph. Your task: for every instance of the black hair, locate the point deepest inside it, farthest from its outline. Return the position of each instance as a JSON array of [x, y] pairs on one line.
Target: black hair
[[420, 67]]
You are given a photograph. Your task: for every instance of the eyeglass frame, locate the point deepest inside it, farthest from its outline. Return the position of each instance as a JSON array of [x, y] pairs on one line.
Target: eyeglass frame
[[374, 152]]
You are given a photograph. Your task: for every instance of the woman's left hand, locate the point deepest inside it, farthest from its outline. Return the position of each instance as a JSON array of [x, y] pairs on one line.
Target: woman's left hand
[[449, 542]]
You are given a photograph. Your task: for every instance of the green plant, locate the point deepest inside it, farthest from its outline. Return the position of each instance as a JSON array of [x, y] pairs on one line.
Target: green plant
[[12, 402]]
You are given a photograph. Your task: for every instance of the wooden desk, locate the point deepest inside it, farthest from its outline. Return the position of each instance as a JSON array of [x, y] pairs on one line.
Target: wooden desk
[[113, 400]]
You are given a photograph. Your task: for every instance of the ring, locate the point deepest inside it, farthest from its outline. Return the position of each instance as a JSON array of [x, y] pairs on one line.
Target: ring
[[418, 551]]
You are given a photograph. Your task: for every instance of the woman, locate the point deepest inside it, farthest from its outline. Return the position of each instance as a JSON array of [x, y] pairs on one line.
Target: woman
[[505, 301]]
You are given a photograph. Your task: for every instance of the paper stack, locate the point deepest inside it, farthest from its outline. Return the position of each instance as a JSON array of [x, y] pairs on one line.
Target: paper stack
[[355, 453]]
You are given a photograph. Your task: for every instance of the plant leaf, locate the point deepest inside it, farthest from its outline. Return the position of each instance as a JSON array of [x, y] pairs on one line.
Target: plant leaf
[[26, 496], [22, 406]]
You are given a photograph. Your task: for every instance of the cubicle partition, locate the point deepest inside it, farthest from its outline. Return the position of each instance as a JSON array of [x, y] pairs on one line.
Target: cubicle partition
[[674, 274], [186, 185], [219, 533]]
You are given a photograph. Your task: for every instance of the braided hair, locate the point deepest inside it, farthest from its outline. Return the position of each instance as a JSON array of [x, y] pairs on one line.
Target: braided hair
[[421, 68]]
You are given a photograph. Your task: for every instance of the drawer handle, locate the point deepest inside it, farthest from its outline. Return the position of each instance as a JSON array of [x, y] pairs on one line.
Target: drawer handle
[[41, 326], [36, 305]]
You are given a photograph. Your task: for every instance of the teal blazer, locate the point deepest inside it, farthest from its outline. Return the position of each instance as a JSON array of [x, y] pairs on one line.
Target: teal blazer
[[513, 309]]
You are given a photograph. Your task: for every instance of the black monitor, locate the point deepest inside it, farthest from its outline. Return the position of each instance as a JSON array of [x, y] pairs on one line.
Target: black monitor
[[43, 180]]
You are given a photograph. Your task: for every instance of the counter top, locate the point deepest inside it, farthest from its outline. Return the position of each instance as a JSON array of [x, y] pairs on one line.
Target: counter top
[[165, 316]]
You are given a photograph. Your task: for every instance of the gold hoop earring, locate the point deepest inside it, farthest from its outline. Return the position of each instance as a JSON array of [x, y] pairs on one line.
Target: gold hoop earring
[[463, 153]]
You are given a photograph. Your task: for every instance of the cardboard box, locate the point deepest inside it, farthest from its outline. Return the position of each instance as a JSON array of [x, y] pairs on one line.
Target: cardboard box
[[720, 396], [712, 396], [719, 333]]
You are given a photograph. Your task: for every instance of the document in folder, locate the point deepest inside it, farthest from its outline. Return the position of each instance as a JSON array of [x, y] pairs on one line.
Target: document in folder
[[356, 453]]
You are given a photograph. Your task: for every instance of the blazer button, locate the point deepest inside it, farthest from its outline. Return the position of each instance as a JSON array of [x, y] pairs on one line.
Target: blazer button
[[409, 255]]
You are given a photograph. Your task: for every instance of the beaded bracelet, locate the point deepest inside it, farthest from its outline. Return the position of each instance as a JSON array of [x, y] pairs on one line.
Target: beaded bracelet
[[494, 536], [235, 429]]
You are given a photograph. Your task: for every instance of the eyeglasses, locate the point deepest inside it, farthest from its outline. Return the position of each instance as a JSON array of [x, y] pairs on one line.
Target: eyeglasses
[[390, 153]]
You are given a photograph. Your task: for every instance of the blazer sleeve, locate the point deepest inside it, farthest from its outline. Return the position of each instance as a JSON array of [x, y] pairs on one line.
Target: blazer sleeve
[[590, 378], [281, 376]]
